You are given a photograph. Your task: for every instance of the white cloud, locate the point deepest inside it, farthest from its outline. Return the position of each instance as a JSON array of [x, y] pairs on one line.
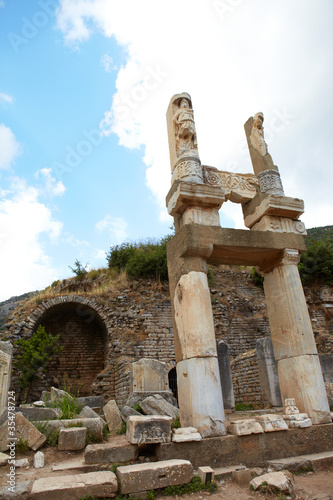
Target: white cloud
[[50, 187], [253, 56], [5, 97], [9, 147], [107, 63], [24, 222], [116, 227]]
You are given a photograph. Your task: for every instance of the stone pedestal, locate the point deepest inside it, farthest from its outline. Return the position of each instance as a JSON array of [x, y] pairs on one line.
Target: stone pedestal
[[295, 350]]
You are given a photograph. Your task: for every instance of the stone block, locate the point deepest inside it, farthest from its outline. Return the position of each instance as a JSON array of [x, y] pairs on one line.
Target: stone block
[[283, 481], [300, 423], [293, 464], [241, 475], [225, 375], [272, 423], [22, 490], [200, 396], [206, 474], [127, 412], [268, 371], [72, 439], [148, 375], [156, 405], [112, 416], [22, 462], [35, 413], [27, 431], [148, 476], [91, 401], [88, 412], [137, 396], [110, 453], [185, 434], [39, 460], [59, 394], [93, 424], [145, 430], [74, 487], [244, 427]]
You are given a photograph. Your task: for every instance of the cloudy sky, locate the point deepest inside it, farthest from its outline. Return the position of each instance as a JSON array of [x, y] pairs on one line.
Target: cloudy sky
[[84, 88]]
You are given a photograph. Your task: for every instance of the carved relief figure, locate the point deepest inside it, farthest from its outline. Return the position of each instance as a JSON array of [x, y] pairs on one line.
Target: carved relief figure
[[257, 134], [186, 139]]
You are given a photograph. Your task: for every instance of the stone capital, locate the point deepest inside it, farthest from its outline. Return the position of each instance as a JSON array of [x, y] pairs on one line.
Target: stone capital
[[183, 195], [277, 206]]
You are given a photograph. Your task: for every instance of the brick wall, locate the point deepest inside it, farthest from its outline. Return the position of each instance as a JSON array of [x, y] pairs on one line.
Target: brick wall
[[245, 378]]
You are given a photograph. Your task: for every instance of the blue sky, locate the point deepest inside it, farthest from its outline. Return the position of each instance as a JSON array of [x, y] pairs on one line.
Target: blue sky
[[84, 87]]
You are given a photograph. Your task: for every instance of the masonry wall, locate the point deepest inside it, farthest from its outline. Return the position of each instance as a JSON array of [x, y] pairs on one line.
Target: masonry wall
[[245, 379]]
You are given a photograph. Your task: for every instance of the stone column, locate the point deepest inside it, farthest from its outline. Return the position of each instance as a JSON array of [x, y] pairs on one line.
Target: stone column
[[225, 375], [268, 371], [6, 350], [295, 350]]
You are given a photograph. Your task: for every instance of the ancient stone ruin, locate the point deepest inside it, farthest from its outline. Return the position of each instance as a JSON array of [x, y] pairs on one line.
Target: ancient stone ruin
[[273, 245]]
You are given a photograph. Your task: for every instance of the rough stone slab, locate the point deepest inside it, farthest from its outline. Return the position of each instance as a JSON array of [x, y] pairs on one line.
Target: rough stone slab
[[3, 459], [88, 412], [127, 412], [244, 427], [293, 464], [148, 375], [112, 416], [149, 476], [93, 424], [184, 430], [38, 413], [22, 462], [72, 439], [110, 453], [27, 431], [77, 466], [295, 416], [39, 460], [283, 481], [156, 405], [22, 489], [242, 475], [4, 443], [272, 423], [137, 396], [185, 434], [91, 401], [74, 487], [58, 394], [152, 429], [300, 423]]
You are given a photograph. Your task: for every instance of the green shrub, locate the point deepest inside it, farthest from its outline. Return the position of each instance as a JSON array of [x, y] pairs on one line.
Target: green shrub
[[258, 280], [140, 260], [34, 355], [68, 405], [138, 408], [316, 263], [175, 424], [122, 429], [79, 270], [243, 407], [21, 445], [53, 438]]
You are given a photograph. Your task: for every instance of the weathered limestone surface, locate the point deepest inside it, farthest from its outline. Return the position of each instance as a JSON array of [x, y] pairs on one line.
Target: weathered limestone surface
[[148, 375], [244, 427], [4, 443], [152, 429], [271, 205], [27, 431], [72, 439], [110, 453], [185, 434], [200, 396], [254, 130], [39, 460], [295, 350], [225, 374], [283, 481], [6, 350], [74, 487], [137, 396], [35, 413], [3, 459], [194, 317], [88, 412], [112, 416], [93, 424], [268, 371], [156, 405], [142, 477], [271, 423], [127, 412]]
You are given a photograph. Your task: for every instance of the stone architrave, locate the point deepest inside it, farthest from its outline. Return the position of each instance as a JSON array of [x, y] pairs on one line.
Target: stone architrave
[[225, 375], [244, 427], [112, 416], [6, 350], [272, 423], [268, 371], [148, 429], [148, 375], [295, 350], [143, 477]]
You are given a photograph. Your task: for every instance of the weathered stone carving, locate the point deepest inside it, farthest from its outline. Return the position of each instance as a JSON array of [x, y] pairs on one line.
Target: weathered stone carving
[[270, 182], [238, 188], [186, 137], [257, 134], [152, 429], [280, 225]]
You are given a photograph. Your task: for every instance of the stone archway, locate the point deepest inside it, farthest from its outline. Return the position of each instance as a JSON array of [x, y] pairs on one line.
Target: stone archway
[[83, 334]]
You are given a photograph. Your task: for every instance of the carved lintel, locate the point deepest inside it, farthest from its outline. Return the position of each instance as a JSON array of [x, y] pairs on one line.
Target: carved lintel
[[200, 215], [239, 188], [270, 182], [278, 206], [279, 225]]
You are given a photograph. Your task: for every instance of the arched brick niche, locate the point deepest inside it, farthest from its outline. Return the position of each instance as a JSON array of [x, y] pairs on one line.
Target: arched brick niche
[[83, 335]]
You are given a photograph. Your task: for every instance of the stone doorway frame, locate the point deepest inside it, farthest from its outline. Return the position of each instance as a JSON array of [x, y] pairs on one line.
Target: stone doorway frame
[[273, 245]]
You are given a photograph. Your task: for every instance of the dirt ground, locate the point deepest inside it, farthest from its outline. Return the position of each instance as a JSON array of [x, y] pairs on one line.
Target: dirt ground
[[309, 486]]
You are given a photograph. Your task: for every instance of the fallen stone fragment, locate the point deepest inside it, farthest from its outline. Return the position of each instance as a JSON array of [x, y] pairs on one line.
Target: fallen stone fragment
[[39, 404], [143, 477], [23, 462], [156, 405], [244, 427], [93, 424], [3, 459], [110, 453], [300, 423], [112, 416], [88, 412], [282, 481], [241, 475], [4, 442], [72, 439], [59, 394], [39, 460], [74, 487], [292, 464], [35, 413], [185, 434], [272, 423], [27, 431], [91, 401], [22, 489], [148, 429], [127, 412]]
